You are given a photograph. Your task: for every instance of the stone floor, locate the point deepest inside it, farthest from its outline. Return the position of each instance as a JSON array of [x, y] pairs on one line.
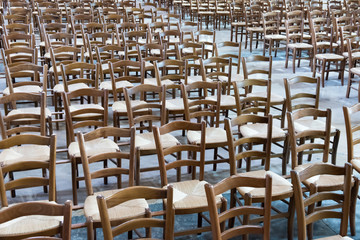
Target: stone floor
[[332, 96]]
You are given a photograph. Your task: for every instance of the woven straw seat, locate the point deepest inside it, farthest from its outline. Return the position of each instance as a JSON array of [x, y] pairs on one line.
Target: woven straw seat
[[24, 89], [260, 130], [25, 153], [280, 185], [121, 84], [29, 224], [120, 106], [146, 141], [311, 124], [130, 209], [95, 146], [59, 88], [213, 135]]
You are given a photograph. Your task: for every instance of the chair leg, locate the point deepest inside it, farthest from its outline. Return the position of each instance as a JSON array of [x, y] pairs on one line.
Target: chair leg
[[137, 167], [323, 67], [73, 178], [335, 146], [291, 218], [354, 194], [294, 60], [349, 86], [90, 228]]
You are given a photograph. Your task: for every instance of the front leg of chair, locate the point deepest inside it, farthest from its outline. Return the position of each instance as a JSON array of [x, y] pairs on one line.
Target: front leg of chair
[[294, 59], [354, 195], [137, 167], [73, 179], [335, 146], [291, 218], [91, 232], [323, 68]]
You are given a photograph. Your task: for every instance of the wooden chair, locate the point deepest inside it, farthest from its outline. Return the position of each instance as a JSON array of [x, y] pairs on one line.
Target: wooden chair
[[253, 26], [252, 148], [351, 130], [315, 141], [304, 92], [78, 116], [27, 152], [308, 209], [260, 67], [218, 219], [295, 43], [205, 107], [353, 57], [325, 51], [124, 80], [38, 219], [144, 115], [168, 72], [238, 24], [26, 78], [231, 50], [208, 39], [110, 150], [189, 197], [272, 36], [17, 55], [19, 120], [124, 196]]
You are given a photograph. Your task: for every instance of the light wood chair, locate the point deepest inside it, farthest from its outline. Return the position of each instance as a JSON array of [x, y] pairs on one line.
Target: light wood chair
[[304, 92], [206, 107], [189, 195], [110, 150], [122, 81], [272, 36], [144, 115], [77, 117], [36, 220], [218, 228], [123, 197], [308, 209], [252, 148], [26, 152], [305, 140]]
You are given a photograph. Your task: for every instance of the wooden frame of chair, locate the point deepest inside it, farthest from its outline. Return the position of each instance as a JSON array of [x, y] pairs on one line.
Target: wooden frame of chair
[[300, 100], [205, 107], [34, 161], [124, 80], [315, 213], [105, 204], [138, 114], [190, 204], [27, 209], [26, 120], [218, 219], [82, 116], [116, 156], [283, 189], [297, 150]]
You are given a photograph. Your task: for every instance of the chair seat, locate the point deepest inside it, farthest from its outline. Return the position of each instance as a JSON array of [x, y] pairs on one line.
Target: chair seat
[[329, 56], [354, 54], [255, 29], [213, 135], [29, 110], [75, 107], [356, 164], [153, 81], [323, 180], [238, 24], [24, 89], [120, 84], [92, 147], [236, 77], [310, 124], [146, 141], [226, 100], [58, 69], [191, 194], [355, 70], [120, 106], [175, 104], [274, 98], [29, 224], [59, 88], [23, 153], [326, 44], [63, 54], [129, 209], [276, 37], [300, 46], [155, 51], [280, 185], [260, 130], [193, 79]]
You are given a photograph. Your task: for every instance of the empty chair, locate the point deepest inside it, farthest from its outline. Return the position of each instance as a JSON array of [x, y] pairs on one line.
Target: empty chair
[[124, 196], [217, 220]]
